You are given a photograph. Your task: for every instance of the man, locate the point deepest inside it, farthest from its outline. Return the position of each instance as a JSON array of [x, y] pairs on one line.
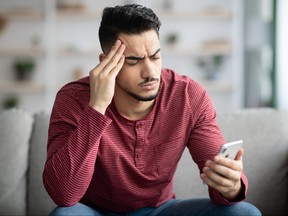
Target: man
[[115, 137]]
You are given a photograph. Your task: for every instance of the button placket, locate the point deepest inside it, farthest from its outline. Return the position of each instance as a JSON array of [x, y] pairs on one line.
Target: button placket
[[139, 146]]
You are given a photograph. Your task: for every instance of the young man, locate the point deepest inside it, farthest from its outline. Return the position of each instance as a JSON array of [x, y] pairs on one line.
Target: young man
[[115, 137]]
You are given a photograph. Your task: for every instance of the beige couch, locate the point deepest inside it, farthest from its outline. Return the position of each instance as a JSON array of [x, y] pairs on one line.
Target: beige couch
[[23, 139]]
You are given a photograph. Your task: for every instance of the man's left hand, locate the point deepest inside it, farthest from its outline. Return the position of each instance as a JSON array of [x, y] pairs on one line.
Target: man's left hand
[[224, 175]]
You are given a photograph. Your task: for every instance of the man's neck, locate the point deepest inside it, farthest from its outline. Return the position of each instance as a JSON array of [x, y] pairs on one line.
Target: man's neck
[[133, 109]]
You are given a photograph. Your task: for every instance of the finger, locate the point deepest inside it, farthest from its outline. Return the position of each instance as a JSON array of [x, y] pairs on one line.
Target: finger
[[115, 60], [114, 49], [240, 154], [219, 172], [224, 187], [107, 58], [232, 164], [215, 180], [114, 72]]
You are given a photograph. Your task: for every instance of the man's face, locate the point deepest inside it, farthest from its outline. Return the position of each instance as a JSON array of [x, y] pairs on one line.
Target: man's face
[[140, 74]]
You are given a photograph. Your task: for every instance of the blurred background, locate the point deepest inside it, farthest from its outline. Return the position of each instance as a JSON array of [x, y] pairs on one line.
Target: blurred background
[[234, 48]]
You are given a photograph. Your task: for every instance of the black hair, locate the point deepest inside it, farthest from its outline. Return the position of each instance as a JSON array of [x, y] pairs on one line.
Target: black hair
[[128, 19]]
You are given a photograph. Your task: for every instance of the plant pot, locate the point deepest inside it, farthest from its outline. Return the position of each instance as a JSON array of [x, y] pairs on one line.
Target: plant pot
[[23, 75], [2, 23], [23, 70]]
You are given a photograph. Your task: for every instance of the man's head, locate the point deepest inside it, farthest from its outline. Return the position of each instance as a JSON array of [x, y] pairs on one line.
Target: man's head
[[128, 19], [138, 28]]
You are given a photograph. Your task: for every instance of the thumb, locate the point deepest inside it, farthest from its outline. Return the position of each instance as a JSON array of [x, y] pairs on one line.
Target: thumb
[[239, 155]]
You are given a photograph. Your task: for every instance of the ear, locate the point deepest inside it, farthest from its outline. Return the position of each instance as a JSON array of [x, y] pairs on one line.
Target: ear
[[102, 56]]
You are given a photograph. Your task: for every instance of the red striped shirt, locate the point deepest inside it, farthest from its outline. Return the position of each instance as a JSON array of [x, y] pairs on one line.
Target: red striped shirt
[[120, 165]]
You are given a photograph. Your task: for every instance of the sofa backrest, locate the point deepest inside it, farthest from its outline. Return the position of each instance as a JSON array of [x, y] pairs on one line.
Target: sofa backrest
[[15, 131], [23, 143], [264, 131], [265, 135], [39, 202]]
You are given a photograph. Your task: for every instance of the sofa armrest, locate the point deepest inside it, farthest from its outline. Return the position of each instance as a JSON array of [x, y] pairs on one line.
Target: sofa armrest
[[15, 132], [265, 135]]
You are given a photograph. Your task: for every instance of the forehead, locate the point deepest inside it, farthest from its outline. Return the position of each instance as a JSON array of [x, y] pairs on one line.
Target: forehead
[[140, 44]]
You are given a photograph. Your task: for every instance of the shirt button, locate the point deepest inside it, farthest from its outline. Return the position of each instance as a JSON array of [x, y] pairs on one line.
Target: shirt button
[[140, 125], [138, 155], [140, 141]]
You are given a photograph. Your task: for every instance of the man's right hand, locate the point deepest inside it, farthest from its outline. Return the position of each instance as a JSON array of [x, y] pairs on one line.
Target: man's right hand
[[103, 76]]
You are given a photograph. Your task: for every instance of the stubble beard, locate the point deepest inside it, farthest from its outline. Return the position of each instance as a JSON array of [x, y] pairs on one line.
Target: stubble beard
[[139, 97]]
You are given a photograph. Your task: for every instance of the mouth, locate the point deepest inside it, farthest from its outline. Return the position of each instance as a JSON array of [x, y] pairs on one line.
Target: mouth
[[150, 85]]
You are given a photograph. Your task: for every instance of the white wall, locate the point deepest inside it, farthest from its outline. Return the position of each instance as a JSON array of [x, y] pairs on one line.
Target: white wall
[[53, 69], [282, 54]]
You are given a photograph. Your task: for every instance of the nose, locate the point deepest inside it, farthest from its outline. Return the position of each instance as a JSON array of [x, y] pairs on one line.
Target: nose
[[148, 70]]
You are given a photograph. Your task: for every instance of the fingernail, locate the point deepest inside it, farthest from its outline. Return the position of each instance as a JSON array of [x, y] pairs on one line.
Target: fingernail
[[202, 177], [118, 42], [205, 169], [208, 162]]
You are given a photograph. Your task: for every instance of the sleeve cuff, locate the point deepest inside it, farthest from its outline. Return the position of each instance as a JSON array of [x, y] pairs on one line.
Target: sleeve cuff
[[218, 198]]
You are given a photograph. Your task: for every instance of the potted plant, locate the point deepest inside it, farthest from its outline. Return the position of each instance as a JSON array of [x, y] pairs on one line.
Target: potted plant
[[211, 65], [171, 38], [23, 69], [10, 102], [167, 4], [2, 23]]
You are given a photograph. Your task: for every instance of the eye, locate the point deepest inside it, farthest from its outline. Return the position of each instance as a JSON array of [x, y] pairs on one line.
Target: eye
[[155, 58], [131, 61]]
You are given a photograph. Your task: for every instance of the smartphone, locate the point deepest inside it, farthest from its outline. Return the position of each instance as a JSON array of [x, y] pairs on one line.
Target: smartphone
[[230, 150]]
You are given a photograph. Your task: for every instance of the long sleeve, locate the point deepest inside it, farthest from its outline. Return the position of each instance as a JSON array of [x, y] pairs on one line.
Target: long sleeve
[[73, 140], [220, 199], [205, 142], [114, 163]]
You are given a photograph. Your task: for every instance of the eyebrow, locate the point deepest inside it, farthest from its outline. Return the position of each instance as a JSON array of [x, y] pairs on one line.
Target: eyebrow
[[141, 58]]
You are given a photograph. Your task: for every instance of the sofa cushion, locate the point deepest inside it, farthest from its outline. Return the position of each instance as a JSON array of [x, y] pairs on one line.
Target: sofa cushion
[[187, 181], [265, 136], [15, 131], [39, 202]]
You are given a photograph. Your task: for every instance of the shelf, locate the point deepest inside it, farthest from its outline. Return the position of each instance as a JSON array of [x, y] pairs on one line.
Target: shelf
[[204, 14], [220, 13], [77, 53], [77, 14], [205, 28], [14, 87], [217, 85], [167, 52], [210, 47], [22, 14], [207, 48], [203, 51], [21, 52]]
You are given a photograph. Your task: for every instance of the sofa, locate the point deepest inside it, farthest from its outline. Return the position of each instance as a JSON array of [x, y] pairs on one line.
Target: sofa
[[23, 137]]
